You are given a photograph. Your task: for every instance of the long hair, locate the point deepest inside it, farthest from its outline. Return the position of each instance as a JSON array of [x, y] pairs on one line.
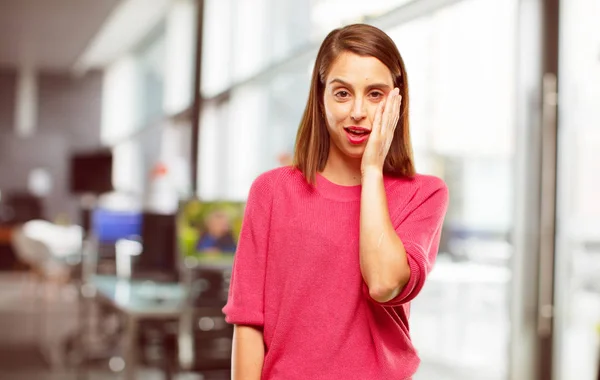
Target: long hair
[[312, 140]]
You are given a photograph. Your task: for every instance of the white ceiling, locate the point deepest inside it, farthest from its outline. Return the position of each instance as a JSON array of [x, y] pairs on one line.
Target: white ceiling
[[49, 34]]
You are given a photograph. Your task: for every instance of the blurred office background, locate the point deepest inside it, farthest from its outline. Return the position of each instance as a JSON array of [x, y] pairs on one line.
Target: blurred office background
[[165, 101]]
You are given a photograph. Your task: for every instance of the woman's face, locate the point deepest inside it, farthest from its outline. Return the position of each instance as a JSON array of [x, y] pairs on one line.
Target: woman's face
[[354, 87]]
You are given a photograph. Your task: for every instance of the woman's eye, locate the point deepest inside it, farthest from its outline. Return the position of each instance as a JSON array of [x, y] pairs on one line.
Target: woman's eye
[[376, 95], [342, 94]]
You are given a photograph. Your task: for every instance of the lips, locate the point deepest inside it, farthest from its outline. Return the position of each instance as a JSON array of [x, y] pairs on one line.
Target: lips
[[357, 135], [357, 130]]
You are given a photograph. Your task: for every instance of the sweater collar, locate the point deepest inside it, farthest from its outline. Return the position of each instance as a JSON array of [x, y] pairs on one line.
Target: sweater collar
[[337, 192]]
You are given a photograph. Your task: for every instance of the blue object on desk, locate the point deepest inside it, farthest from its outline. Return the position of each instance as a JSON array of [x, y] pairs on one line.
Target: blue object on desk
[[110, 226]]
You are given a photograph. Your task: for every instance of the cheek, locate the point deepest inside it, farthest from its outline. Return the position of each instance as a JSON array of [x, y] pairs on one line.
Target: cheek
[[371, 111], [336, 113]]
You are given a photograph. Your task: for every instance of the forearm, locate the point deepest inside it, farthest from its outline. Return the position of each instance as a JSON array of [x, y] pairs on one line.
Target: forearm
[[383, 262], [248, 353]]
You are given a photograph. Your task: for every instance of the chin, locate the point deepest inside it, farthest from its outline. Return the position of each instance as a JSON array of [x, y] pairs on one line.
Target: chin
[[345, 149], [355, 152]]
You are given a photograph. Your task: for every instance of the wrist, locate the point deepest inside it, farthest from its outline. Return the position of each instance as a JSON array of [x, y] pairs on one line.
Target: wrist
[[372, 173]]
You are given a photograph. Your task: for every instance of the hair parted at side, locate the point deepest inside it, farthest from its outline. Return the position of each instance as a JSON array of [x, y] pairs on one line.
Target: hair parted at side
[[312, 140]]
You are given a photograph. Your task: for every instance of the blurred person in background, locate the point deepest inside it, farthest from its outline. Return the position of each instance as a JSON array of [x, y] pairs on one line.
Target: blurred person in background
[[334, 247], [217, 234]]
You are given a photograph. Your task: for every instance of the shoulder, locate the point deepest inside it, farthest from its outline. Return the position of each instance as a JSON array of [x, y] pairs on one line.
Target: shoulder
[[420, 188], [272, 180], [419, 182], [430, 184], [278, 175]]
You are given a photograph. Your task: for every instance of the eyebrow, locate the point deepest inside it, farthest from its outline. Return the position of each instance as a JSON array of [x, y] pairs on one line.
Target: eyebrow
[[369, 87]]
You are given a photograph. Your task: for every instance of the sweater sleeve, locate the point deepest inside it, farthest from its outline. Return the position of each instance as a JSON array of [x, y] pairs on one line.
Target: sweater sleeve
[[245, 303], [420, 230]]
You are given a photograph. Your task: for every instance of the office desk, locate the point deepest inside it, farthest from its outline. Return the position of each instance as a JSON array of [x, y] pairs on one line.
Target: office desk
[[139, 300], [210, 261]]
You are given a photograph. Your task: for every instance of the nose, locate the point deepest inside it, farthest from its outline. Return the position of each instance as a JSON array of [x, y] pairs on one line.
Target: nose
[[358, 111]]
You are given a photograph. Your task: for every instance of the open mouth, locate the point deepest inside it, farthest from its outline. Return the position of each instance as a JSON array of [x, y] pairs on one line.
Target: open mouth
[[357, 131], [357, 135]]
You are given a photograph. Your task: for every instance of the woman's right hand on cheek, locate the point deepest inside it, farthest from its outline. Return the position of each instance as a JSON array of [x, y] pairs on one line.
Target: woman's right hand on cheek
[[382, 132]]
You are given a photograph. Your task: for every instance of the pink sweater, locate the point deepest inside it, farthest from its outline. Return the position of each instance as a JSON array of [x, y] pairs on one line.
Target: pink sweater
[[297, 275]]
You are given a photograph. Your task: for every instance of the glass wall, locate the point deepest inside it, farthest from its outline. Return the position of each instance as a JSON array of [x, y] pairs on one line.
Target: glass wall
[[577, 285], [462, 120], [254, 86], [145, 91]]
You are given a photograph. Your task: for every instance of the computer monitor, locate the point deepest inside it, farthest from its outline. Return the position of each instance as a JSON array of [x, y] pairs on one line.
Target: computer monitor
[[111, 225], [159, 258], [209, 228], [91, 172]]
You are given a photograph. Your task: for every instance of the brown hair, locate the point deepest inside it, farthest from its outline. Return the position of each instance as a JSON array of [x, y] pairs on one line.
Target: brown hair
[[312, 140]]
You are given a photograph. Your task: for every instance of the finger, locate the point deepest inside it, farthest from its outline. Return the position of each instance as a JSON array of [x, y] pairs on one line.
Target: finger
[[389, 106], [397, 108], [376, 127], [390, 115], [394, 117]]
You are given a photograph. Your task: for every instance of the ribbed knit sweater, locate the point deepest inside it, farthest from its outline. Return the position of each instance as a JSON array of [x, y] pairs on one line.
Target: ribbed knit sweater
[[297, 275]]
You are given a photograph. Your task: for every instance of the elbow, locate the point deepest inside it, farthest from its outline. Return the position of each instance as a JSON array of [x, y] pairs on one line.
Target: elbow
[[384, 292]]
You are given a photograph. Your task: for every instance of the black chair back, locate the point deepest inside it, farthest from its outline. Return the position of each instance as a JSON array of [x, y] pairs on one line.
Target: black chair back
[[209, 287], [211, 335]]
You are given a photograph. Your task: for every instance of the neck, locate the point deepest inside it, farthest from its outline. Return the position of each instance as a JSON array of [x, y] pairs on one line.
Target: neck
[[341, 169]]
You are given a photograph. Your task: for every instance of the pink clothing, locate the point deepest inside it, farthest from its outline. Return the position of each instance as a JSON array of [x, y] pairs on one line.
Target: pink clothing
[[297, 275]]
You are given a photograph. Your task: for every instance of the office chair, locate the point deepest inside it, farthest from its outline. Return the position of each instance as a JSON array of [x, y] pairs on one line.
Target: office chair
[[201, 341], [208, 335]]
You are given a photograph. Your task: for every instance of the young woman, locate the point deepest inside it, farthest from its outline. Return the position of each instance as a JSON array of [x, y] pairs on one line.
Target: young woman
[[334, 248]]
